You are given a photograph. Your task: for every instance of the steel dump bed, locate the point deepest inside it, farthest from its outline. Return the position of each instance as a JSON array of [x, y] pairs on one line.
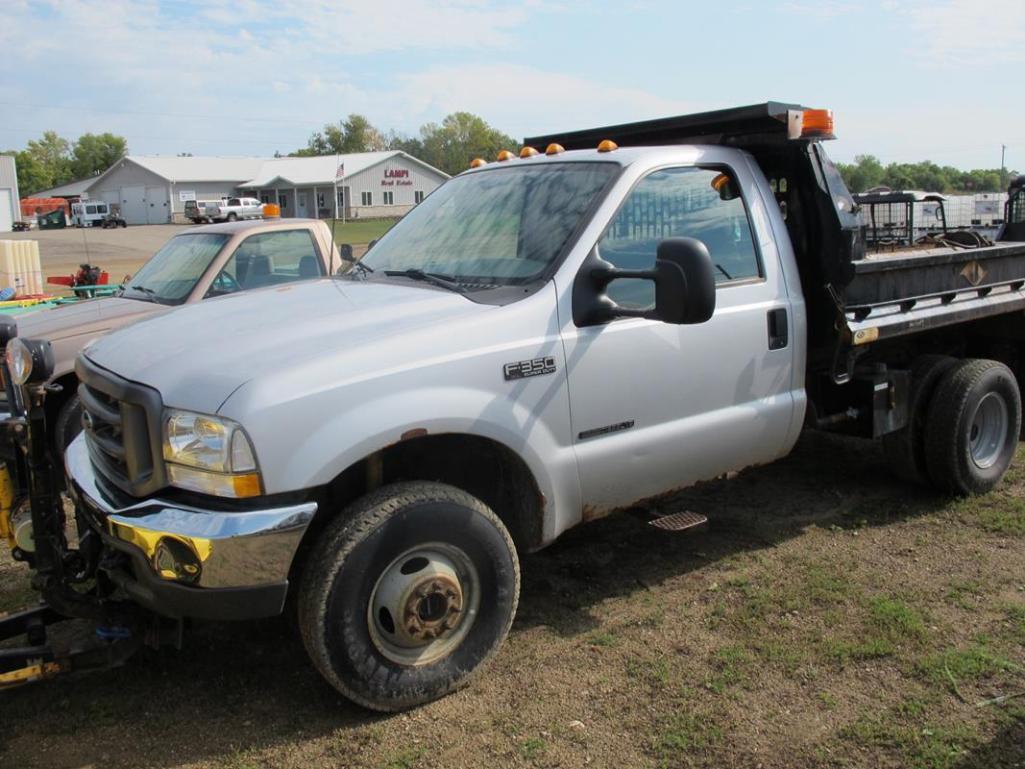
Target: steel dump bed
[[894, 293]]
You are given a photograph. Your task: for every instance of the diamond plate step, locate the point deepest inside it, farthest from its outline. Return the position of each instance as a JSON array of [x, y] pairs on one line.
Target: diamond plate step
[[678, 521]]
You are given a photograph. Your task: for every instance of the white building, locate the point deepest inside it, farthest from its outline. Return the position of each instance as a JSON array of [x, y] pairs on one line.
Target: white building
[[154, 189], [10, 210]]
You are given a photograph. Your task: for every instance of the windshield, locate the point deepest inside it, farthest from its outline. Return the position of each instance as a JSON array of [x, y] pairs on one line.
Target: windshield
[[170, 275], [498, 227]]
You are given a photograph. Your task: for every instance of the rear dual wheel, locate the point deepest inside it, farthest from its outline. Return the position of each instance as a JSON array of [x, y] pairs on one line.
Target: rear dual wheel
[[407, 594], [964, 417], [972, 431]]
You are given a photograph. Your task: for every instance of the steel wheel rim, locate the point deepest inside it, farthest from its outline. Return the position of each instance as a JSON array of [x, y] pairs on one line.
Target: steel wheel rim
[[988, 433], [423, 605]]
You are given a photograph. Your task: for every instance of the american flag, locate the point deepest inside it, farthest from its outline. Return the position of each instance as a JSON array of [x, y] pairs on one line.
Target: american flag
[[340, 173]]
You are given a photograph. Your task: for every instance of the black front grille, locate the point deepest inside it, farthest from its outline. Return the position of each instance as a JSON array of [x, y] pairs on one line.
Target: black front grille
[[122, 429]]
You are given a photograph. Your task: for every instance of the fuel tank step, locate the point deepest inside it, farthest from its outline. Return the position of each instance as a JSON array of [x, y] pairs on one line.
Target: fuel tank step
[[681, 521]]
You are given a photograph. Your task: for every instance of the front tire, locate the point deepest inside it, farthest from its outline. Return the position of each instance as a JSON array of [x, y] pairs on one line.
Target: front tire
[[972, 430], [407, 594], [231, 217], [68, 424]]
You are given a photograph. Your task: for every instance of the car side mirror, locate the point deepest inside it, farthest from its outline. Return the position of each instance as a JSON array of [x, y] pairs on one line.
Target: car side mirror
[[345, 250], [684, 286]]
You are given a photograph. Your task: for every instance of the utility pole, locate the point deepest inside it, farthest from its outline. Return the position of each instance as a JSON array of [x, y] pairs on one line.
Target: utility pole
[[1003, 167]]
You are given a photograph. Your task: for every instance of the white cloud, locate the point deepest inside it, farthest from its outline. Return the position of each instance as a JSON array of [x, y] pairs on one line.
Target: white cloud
[[966, 32], [521, 99]]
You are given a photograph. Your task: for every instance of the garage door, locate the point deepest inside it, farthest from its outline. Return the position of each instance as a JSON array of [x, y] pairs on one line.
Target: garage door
[[5, 211], [156, 205], [133, 205]]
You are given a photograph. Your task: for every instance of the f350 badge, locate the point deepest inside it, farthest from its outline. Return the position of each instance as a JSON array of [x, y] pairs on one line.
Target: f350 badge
[[527, 368]]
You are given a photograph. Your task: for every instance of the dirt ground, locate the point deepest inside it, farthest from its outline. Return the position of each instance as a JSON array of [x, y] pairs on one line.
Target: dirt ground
[[827, 617]]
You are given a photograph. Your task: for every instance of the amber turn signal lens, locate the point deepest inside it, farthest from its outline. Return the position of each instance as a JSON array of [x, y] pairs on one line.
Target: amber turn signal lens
[[528, 152], [607, 145], [719, 182], [818, 123], [554, 149], [271, 211], [478, 162], [505, 155]]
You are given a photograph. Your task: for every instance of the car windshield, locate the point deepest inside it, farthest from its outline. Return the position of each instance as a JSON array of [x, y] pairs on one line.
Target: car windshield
[[497, 227], [170, 275]]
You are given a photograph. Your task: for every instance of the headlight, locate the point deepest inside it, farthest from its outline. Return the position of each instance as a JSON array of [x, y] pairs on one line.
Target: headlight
[[29, 360], [209, 454]]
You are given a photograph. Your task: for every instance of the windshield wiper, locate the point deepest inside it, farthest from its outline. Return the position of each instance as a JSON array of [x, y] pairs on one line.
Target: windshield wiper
[[367, 269], [143, 290], [434, 278]]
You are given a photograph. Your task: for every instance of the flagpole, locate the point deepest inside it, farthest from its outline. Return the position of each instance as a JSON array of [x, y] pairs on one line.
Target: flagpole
[[334, 221]]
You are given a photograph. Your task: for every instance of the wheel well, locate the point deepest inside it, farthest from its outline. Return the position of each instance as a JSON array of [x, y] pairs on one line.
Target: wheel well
[[55, 401], [490, 471]]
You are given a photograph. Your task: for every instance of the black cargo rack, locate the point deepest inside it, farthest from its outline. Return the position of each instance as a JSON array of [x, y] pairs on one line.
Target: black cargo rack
[[757, 123]]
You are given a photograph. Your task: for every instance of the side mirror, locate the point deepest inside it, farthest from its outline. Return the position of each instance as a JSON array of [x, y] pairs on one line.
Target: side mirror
[[684, 286], [345, 250]]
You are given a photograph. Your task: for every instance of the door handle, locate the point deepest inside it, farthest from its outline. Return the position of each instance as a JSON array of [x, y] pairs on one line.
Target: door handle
[[778, 332]]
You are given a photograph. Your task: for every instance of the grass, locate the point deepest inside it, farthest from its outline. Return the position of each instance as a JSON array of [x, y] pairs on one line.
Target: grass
[[685, 733], [532, 748], [919, 745], [361, 231]]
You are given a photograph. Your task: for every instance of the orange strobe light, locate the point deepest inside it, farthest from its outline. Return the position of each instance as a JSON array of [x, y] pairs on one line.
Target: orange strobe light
[[817, 124]]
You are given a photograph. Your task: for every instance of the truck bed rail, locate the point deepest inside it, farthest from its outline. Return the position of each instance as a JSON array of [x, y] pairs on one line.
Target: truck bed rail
[[896, 294]]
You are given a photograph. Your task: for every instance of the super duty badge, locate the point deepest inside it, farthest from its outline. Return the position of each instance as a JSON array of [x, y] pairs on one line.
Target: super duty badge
[[528, 368]]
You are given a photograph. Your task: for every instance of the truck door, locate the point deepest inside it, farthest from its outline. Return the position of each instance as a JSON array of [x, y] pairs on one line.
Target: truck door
[[658, 406]]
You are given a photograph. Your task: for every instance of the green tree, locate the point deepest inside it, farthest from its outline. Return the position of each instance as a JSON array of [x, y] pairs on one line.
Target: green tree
[[52, 152], [95, 153], [864, 173], [354, 134], [460, 138]]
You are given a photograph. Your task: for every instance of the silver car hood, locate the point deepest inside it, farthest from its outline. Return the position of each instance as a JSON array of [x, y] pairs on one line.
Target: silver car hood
[[196, 357]]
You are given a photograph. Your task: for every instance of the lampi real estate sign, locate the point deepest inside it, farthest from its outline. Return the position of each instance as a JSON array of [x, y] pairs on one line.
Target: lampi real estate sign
[[396, 177]]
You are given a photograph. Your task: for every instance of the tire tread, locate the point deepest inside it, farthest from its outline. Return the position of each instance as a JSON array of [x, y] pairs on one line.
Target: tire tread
[[342, 536]]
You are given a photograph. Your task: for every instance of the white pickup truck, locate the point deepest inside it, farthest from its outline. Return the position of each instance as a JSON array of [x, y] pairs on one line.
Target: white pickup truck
[[544, 340], [223, 210]]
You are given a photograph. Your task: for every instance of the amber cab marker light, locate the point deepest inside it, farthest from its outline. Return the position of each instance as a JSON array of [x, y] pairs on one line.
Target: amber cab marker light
[[478, 162], [554, 149], [719, 182], [818, 123], [505, 155], [528, 152], [607, 145]]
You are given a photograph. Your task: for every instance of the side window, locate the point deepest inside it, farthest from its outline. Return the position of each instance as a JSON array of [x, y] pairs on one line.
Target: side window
[[688, 202], [269, 259], [234, 202]]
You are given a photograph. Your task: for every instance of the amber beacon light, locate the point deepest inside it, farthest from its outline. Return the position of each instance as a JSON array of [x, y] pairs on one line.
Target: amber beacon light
[[817, 124]]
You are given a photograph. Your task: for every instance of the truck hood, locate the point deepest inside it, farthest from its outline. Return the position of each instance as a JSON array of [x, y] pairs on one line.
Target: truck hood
[[87, 317], [196, 357]]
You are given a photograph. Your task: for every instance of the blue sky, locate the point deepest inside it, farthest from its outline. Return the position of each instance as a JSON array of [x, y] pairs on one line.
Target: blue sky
[[907, 79]]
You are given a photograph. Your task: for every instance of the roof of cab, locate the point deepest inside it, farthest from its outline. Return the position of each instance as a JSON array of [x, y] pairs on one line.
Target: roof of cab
[[230, 228]]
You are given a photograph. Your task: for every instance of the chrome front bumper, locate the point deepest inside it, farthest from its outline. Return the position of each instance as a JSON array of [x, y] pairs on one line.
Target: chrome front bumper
[[188, 546]]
